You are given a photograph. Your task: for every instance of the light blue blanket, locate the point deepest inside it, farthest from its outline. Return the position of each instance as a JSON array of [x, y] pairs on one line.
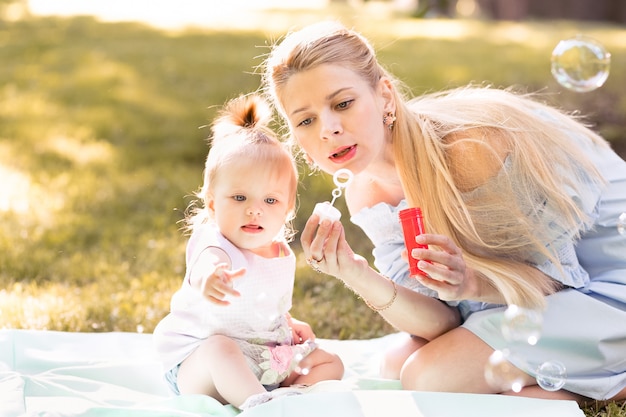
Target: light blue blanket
[[52, 374]]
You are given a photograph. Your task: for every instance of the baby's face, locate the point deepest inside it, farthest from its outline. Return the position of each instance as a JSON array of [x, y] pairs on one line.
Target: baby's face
[[251, 204]]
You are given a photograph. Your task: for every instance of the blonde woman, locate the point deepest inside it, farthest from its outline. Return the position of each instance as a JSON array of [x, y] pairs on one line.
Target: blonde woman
[[521, 204]]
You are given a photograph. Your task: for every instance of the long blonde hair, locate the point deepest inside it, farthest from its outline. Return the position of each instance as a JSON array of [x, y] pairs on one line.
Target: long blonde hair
[[512, 217], [241, 132], [497, 230], [326, 42]]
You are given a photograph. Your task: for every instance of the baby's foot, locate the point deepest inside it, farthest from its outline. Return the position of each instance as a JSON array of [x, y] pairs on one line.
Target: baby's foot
[[255, 400]]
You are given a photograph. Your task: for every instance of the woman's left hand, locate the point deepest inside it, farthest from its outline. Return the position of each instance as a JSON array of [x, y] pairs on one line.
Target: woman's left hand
[[447, 271]]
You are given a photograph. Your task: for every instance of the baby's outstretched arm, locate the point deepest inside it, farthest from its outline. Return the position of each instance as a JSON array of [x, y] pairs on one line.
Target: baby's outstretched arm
[[216, 286], [211, 276]]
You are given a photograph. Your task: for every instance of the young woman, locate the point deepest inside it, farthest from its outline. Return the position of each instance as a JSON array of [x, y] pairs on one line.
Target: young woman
[[229, 334], [521, 204]]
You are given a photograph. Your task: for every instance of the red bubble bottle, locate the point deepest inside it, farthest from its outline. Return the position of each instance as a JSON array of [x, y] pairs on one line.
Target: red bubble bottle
[[412, 223]]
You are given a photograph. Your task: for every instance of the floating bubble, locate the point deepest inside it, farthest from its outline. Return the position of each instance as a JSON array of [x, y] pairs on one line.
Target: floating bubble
[[299, 369], [551, 375], [522, 325], [501, 374], [621, 224], [265, 309], [302, 371], [580, 64]]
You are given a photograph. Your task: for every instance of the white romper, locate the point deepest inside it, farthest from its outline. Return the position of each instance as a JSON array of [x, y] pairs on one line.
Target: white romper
[[256, 320]]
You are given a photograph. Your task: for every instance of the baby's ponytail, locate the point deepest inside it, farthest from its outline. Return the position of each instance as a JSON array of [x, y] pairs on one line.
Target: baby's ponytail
[[241, 133], [247, 112]]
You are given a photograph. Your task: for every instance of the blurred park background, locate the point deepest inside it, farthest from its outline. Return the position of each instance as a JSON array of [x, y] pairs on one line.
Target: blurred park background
[[104, 107]]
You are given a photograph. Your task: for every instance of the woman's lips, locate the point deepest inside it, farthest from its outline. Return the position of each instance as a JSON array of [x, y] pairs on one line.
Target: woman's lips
[[343, 154]]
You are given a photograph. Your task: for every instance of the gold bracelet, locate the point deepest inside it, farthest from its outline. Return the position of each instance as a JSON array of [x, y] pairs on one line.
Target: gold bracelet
[[390, 303]]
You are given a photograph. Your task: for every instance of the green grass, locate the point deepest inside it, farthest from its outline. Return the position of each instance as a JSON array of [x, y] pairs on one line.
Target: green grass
[[102, 141]]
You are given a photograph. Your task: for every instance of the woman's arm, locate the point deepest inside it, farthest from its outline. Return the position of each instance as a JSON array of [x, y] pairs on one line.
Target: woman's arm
[[412, 312], [406, 310]]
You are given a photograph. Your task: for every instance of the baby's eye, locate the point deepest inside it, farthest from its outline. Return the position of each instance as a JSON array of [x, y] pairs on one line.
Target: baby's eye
[[239, 197], [270, 200]]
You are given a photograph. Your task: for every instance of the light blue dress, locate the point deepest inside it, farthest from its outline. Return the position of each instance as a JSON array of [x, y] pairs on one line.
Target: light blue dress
[[584, 325]]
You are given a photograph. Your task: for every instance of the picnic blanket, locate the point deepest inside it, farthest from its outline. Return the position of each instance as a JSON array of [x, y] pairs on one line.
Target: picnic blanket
[[53, 374]]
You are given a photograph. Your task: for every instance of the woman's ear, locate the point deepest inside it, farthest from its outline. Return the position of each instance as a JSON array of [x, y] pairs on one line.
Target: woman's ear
[[386, 89]]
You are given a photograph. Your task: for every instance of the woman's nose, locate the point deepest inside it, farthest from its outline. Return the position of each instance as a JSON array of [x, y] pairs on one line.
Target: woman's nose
[[331, 126]]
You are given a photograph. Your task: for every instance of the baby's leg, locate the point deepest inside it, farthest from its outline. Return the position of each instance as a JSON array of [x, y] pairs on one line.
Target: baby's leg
[[320, 365], [218, 368]]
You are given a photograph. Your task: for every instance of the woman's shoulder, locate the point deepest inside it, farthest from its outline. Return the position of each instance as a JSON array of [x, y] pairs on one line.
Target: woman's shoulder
[[475, 157]]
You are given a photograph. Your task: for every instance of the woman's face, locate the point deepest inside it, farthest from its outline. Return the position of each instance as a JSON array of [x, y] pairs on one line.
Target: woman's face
[[336, 117]]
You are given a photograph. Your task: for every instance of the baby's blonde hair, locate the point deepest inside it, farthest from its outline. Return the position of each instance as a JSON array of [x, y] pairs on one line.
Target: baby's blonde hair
[[241, 132]]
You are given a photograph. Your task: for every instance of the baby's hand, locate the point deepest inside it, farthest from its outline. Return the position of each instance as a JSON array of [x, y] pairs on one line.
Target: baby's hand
[[216, 286], [300, 331]]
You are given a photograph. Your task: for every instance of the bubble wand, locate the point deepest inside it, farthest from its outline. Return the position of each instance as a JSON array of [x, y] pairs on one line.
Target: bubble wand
[[342, 178]]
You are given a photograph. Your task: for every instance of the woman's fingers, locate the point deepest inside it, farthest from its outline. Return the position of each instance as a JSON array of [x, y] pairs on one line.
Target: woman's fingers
[[314, 238], [446, 268], [308, 233]]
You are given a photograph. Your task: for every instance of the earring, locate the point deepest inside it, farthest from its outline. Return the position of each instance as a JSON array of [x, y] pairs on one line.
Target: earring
[[389, 119]]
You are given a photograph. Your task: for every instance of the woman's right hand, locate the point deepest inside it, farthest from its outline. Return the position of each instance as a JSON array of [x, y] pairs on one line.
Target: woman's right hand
[[326, 247]]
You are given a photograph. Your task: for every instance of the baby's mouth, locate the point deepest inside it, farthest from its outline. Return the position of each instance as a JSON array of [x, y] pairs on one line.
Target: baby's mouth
[[252, 226]]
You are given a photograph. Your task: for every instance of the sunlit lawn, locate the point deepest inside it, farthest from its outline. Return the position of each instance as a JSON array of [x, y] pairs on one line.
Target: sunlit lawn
[[102, 141]]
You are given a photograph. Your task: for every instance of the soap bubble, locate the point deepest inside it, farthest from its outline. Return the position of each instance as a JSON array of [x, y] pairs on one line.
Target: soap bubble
[[621, 224], [521, 325], [265, 309], [300, 369], [551, 375], [501, 374], [580, 64]]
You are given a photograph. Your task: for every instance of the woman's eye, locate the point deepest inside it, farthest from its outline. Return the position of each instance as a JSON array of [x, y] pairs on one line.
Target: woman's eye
[[305, 122], [239, 198], [270, 200], [344, 104]]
